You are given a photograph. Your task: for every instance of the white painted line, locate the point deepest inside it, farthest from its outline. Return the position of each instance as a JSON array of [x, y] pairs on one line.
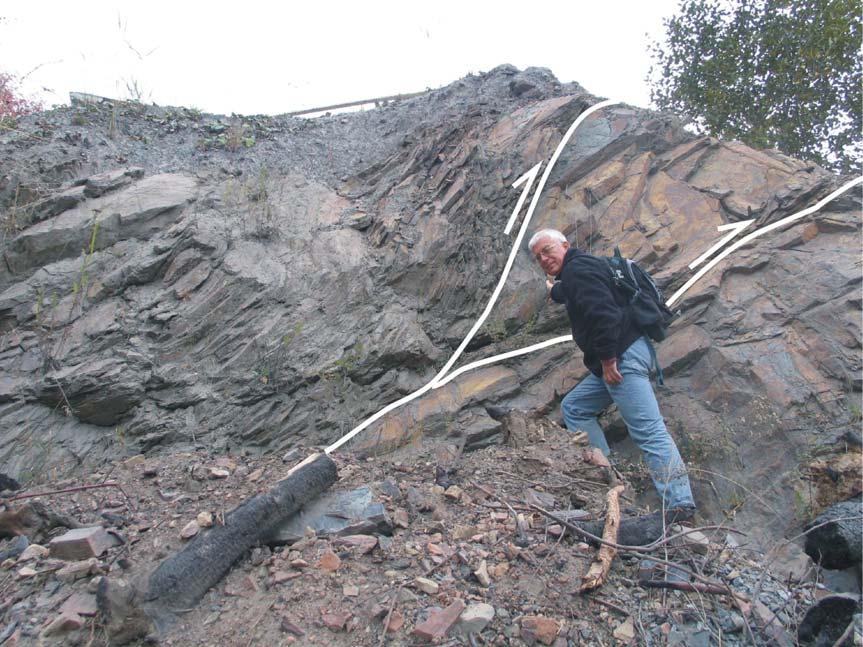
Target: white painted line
[[760, 232], [502, 356], [734, 227], [530, 176], [442, 378], [517, 242], [737, 226], [395, 405], [503, 276]]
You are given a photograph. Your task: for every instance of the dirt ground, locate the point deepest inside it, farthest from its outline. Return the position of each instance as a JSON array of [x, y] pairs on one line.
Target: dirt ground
[[461, 530]]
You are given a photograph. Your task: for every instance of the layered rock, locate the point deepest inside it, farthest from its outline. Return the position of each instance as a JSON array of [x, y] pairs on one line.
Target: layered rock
[[281, 294]]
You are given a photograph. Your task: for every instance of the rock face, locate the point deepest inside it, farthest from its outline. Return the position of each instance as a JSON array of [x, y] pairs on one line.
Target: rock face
[[164, 286]]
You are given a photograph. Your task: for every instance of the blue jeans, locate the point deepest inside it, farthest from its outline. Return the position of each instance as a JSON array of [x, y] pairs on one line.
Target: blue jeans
[[636, 401]]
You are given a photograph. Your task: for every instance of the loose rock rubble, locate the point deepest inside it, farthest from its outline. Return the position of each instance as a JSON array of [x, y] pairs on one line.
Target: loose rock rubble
[[467, 563]]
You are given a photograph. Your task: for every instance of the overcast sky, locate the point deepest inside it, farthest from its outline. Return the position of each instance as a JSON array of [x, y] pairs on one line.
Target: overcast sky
[[262, 57]]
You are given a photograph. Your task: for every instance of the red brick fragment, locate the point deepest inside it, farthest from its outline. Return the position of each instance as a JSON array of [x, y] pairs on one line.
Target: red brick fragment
[[81, 543], [439, 623]]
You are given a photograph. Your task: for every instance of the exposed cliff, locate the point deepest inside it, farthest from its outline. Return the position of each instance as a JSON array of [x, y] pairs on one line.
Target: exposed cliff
[[174, 279]]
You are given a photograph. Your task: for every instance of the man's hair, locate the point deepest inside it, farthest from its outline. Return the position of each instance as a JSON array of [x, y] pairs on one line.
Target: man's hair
[[554, 234]]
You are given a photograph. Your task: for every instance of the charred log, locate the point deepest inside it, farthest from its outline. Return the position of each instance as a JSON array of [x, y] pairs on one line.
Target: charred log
[[826, 622], [180, 581], [836, 536]]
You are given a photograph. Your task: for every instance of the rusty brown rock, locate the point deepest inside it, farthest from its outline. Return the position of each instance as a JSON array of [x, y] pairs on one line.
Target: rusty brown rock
[[439, 623], [329, 561], [539, 629]]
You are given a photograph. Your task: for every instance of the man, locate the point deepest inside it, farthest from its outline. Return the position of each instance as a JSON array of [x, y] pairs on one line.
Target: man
[[619, 358]]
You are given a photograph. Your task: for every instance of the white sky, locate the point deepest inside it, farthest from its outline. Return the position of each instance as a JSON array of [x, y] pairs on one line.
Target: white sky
[[266, 57]]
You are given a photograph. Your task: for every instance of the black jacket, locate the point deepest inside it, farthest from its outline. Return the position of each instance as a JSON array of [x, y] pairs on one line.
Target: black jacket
[[601, 325]]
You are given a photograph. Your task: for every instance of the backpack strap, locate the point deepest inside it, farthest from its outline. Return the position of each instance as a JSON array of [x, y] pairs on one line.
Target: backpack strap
[[660, 380], [620, 264]]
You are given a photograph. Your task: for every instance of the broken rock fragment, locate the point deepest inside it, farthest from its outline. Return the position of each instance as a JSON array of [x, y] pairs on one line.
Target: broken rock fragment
[[78, 570], [81, 543], [396, 621], [33, 551], [329, 561], [482, 574], [625, 631], [190, 530], [475, 618], [81, 604], [335, 620], [362, 543], [439, 623], [540, 629], [218, 473], [426, 585], [63, 623]]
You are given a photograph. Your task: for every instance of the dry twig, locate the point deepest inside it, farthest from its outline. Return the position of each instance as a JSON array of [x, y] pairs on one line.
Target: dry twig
[[648, 548], [390, 614], [598, 571]]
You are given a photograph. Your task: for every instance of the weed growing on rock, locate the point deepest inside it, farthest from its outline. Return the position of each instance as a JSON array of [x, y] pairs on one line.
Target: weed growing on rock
[[252, 204], [271, 363], [234, 138], [80, 285], [112, 122], [262, 211]]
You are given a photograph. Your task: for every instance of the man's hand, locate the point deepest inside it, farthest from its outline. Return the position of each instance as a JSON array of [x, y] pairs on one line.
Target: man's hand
[[610, 373], [549, 283]]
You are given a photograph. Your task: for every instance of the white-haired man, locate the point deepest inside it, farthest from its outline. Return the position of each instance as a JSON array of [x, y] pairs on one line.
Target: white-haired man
[[619, 358]]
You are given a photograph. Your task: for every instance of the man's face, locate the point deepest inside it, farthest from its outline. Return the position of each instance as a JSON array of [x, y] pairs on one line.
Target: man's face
[[549, 254]]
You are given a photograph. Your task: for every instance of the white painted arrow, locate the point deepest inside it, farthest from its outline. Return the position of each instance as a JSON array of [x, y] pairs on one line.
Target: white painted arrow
[[528, 177], [760, 232], [734, 227], [444, 375]]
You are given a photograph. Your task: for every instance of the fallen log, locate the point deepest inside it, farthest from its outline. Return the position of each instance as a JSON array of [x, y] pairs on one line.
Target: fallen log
[[826, 621], [598, 571], [180, 581], [835, 537]]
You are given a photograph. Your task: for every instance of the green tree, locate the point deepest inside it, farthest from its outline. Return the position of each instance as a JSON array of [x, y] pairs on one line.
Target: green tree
[[772, 73]]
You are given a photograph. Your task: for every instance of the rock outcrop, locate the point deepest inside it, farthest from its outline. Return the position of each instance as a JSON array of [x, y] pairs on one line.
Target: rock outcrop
[[175, 279]]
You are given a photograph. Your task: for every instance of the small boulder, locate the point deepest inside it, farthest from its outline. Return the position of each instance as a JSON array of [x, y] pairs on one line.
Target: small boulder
[[426, 585], [475, 618], [482, 574], [329, 561], [63, 623], [539, 629], [33, 551], [81, 543], [190, 530], [78, 570]]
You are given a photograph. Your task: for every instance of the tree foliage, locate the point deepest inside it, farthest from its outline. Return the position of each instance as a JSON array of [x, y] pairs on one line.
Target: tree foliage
[[12, 103], [772, 73]]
